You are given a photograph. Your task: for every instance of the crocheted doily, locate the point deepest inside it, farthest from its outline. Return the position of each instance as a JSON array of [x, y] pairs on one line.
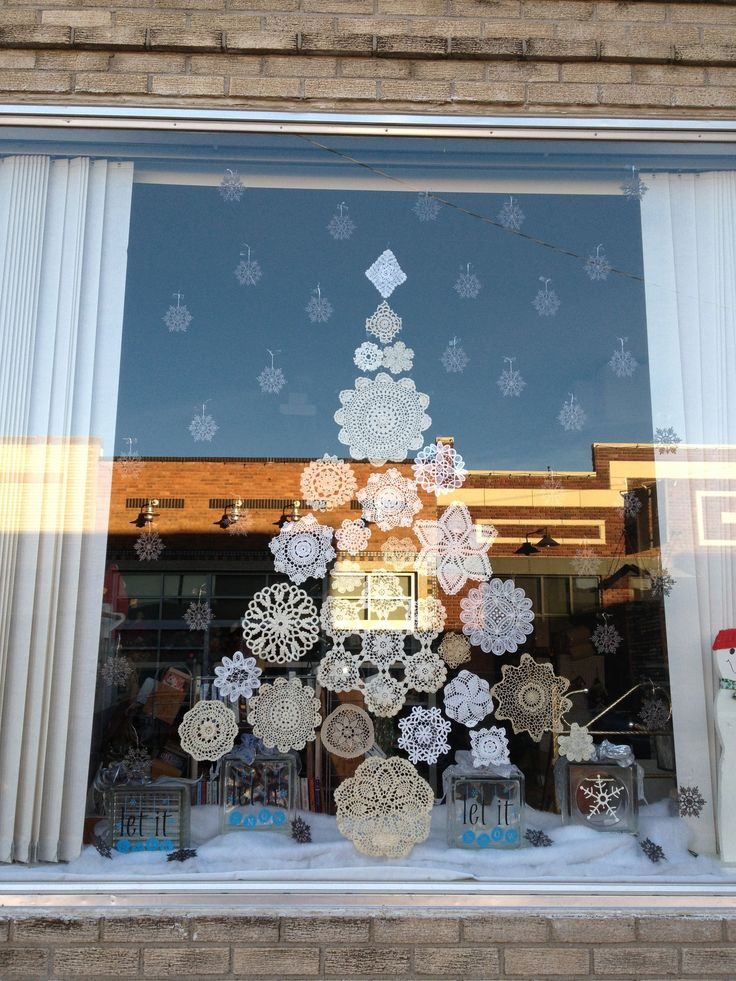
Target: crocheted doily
[[424, 735], [577, 745], [237, 677], [439, 469], [389, 500], [346, 576], [467, 699], [348, 732], [327, 483], [454, 650], [497, 616], [285, 714], [384, 594], [281, 623], [386, 273], [453, 549], [399, 553], [384, 324], [385, 809], [208, 730], [352, 536], [531, 696], [489, 746], [302, 549]]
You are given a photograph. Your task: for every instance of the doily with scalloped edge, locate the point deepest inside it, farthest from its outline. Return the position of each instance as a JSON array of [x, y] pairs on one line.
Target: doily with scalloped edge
[[424, 735], [454, 649], [453, 548], [352, 536], [467, 699], [497, 616], [302, 549], [237, 677], [531, 697], [281, 623], [348, 732], [346, 576], [489, 746], [439, 468], [577, 745], [399, 553], [208, 730], [327, 483], [390, 500], [285, 714]]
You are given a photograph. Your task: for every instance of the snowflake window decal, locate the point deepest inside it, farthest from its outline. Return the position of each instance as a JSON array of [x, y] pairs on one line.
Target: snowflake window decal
[[690, 802], [285, 714], [497, 616], [439, 468], [454, 649], [346, 576], [602, 794], [116, 669], [281, 624], [271, 379], [571, 416], [586, 563], [453, 549], [384, 323], [661, 583], [398, 358], [177, 318], [454, 359], [231, 187], [368, 357], [203, 427], [302, 549], [634, 188], [398, 553], [654, 714], [386, 274], [385, 808], [467, 699], [577, 745], [426, 207], [327, 483], [631, 504], [597, 267], [352, 536], [531, 697], [319, 308], [546, 302], [237, 677], [605, 638], [390, 500], [489, 747], [623, 363], [510, 381], [341, 226], [149, 546], [655, 853], [467, 285], [348, 732], [198, 615], [424, 735], [248, 271], [666, 439], [511, 216], [208, 730]]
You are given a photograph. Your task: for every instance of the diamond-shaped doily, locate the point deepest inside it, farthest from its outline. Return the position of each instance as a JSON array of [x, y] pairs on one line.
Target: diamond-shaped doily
[[352, 536], [424, 735], [302, 549], [439, 469], [327, 483], [531, 696], [389, 500], [237, 677], [467, 699], [454, 650], [497, 616], [386, 273], [348, 732], [453, 549], [208, 730], [285, 714], [490, 747], [281, 623]]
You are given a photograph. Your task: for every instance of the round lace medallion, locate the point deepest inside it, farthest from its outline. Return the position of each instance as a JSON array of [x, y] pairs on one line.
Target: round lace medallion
[[281, 623], [208, 730], [302, 549], [327, 483], [237, 677], [348, 732], [531, 696], [285, 714], [424, 735], [497, 616], [454, 650], [352, 536], [389, 500], [489, 746], [467, 699], [382, 419]]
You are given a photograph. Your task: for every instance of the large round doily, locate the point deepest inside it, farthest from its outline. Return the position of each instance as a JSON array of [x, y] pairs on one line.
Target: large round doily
[[237, 677], [208, 730], [531, 696], [382, 419], [281, 623], [302, 549], [389, 500], [327, 483], [348, 732], [497, 616], [285, 714]]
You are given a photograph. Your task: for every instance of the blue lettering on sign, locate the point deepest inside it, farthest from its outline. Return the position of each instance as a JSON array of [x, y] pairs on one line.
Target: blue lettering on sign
[[250, 821], [264, 816]]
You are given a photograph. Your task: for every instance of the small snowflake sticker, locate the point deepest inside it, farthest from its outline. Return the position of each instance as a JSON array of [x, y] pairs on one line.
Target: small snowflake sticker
[[690, 802], [510, 216], [149, 546], [453, 358], [666, 440], [341, 226], [231, 187], [177, 318], [426, 207], [597, 266], [467, 285], [248, 271], [571, 416], [319, 308], [546, 302], [203, 427], [510, 381]]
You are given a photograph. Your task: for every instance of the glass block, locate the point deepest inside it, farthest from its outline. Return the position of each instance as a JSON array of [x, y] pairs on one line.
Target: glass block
[[147, 817], [600, 796], [485, 811], [258, 796]]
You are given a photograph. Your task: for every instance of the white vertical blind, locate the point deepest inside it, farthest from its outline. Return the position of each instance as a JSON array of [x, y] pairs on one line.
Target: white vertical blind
[[689, 240], [63, 250]]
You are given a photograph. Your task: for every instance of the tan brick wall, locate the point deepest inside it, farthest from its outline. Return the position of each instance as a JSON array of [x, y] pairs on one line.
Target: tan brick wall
[[463, 56]]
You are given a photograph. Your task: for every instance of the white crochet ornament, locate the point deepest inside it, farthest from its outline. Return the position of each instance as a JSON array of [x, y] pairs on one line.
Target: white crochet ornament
[[237, 677], [490, 747], [399, 553], [497, 616], [424, 735], [382, 418], [577, 745], [384, 323], [467, 699], [198, 615], [352, 536], [385, 808], [390, 500], [384, 594], [348, 732], [208, 730], [281, 623], [285, 714], [454, 650], [586, 562], [386, 273], [453, 549], [368, 357], [302, 549], [398, 358], [346, 576], [439, 469], [327, 483], [531, 697]]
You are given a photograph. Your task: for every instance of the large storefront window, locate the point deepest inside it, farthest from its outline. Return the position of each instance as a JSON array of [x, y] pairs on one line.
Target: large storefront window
[[367, 507]]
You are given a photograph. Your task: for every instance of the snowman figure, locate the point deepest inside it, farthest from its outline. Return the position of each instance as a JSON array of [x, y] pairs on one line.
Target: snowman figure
[[725, 718]]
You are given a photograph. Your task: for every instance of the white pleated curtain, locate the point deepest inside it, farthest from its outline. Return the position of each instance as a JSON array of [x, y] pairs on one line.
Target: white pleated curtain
[[63, 252], [689, 244]]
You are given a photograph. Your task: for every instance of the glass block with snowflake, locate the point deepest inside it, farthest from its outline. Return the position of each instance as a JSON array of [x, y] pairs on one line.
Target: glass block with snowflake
[[598, 795], [485, 811], [258, 796]]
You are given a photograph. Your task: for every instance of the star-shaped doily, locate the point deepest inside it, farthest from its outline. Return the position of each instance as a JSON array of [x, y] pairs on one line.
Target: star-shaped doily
[[453, 549], [531, 696]]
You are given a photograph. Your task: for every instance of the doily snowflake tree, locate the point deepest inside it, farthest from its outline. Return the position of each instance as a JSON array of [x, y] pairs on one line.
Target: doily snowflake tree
[[384, 323], [597, 267], [467, 699], [177, 318], [319, 308], [439, 469], [634, 188], [577, 745], [390, 500], [605, 638], [467, 285], [489, 747], [453, 549], [386, 274], [248, 271], [231, 187], [424, 735], [281, 624], [327, 484], [546, 302], [302, 549], [149, 546], [623, 363], [382, 419], [497, 616], [571, 416], [341, 226], [454, 650], [203, 427], [510, 381], [352, 536], [666, 439], [208, 730], [285, 714], [399, 553], [368, 357], [398, 358], [237, 677], [271, 380], [453, 358], [531, 697], [426, 207], [348, 732], [510, 216]]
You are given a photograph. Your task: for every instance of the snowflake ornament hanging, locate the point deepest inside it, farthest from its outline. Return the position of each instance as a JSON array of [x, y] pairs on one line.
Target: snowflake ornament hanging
[[439, 469], [666, 439], [285, 714], [453, 358], [467, 699], [115, 670], [149, 546], [368, 357], [271, 380], [586, 563], [634, 188], [390, 500], [237, 677], [654, 714], [453, 549], [510, 216], [327, 484], [497, 616], [531, 697], [577, 746], [597, 266], [398, 358], [623, 363], [605, 638], [348, 732], [208, 730], [203, 427], [241, 525], [382, 419], [454, 650], [177, 318], [231, 187], [426, 207], [467, 285], [490, 747], [690, 802], [248, 271], [424, 735], [386, 274], [546, 302], [571, 416], [319, 308], [137, 764], [510, 381], [198, 615], [384, 323], [302, 549], [130, 463], [661, 583], [538, 838], [385, 808], [352, 536], [281, 624], [398, 553], [653, 852], [346, 576], [341, 226], [551, 482], [631, 504]]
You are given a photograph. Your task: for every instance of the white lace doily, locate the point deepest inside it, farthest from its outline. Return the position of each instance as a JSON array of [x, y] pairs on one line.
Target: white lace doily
[[439, 469], [348, 732], [368, 357], [384, 594], [489, 746], [386, 273], [285, 714], [467, 699], [577, 745], [453, 549], [237, 677], [208, 730], [398, 358], [346, 576], [281, 623], [384, 323], [454, 650], [497, 616], [389, 500], [302, 549], [385, 809], [531, 696], [382, 418], [424, 735], [327, 483], [399, 553], [352, 536]]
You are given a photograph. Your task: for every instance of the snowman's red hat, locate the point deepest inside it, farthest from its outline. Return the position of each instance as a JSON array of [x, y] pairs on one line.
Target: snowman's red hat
[[725, 638]]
